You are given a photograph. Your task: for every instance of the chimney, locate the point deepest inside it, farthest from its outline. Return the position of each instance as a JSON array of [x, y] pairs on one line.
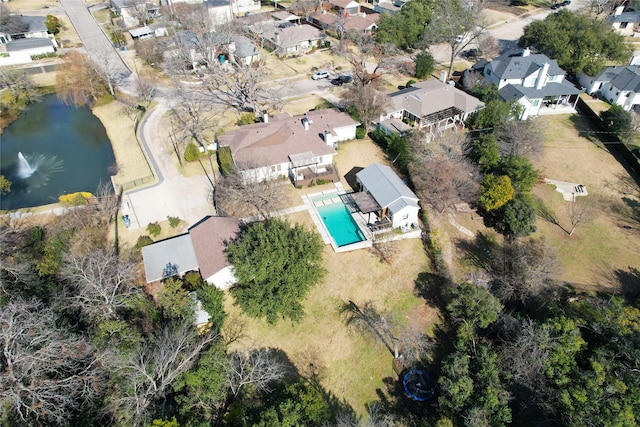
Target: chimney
[[277, 37], [265, 116], [542, 76], [328, 138], [305, 123], [526, 52], [618, 11], [443, 76]]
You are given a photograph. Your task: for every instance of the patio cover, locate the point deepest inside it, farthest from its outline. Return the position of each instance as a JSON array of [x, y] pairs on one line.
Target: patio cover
[[302, 159], [365, 202]]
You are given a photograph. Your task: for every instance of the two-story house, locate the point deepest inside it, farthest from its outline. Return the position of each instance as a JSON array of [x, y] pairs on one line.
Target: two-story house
[[533, 80], [617, 85]]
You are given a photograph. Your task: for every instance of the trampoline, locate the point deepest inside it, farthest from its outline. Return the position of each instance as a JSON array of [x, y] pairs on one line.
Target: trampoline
[[418, 385]]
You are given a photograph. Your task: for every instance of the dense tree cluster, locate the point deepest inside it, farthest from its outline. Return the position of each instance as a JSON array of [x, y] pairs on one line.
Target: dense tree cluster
[[586, 50]]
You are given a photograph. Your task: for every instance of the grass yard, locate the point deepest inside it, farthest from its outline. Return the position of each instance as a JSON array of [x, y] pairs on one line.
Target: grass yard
[[349, 365], [132, 163], [603, 245]]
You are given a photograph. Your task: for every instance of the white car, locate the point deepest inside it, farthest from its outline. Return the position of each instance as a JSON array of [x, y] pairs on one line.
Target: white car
[[320, 75]]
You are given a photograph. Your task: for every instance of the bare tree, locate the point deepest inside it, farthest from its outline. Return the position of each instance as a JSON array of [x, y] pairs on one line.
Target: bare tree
[[441, 173], [579, 211], [368, 102], [602, 6], [523, 270], [306, 7], [101, 283], [257, 368], [521, 138], [109, 67], [196, 118], [13, 269], [489, 45], [22, 91], [46, 372], [527, 353], [77, 82], [246, 192], [141, 10], [147, 373], [456, 24], [361, 50]]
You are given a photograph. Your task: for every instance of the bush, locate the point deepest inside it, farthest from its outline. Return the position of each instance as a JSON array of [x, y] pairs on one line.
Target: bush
[[410, 83], [519, 216], [174, 221], [193, 281], [360, 132], [143, 241], [425, 65], [75, 199], [191, 153], [154, 229], [225, 161], [44, 55], [246, 119]]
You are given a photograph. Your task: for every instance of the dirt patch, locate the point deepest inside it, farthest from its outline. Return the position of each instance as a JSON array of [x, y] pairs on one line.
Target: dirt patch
[[21, 6]]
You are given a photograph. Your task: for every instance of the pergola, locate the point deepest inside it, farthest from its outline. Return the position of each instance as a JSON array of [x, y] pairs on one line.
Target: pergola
[[365, 203]]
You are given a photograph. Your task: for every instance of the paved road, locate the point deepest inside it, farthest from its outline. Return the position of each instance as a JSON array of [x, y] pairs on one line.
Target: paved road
[[95, 41]]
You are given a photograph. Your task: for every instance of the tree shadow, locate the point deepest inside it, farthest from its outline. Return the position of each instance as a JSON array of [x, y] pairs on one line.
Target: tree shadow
[[479, 251], [350, 177]]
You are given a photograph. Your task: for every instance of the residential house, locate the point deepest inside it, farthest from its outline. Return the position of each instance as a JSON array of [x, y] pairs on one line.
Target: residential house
[[533, 80], [345, 7], [200, 248], [382, 191], [285, 146], [288, 39], [625, 22], [284, 16], [25, 27], [617, 85], [216, 46], [156, 29], [135, 12], [431, 105], [362, 22]]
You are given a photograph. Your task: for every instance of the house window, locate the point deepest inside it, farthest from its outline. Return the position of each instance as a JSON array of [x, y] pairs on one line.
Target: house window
[[273, 169], [488, 71], [617, 93], [535, 102], [623, 25], [319, 159], [405, 216], [279, 168], [628, 93]]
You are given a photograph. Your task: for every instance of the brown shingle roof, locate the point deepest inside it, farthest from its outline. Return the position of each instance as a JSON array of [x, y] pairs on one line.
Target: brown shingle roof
[[266, 144], [360, 22], [431, 96], [209, 238]]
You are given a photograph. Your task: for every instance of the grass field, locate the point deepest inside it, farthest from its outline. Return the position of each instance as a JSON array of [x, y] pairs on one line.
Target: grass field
[[606, 246]]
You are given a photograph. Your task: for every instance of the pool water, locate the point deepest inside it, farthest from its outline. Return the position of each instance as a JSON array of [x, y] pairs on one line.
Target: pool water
[[338, 221]]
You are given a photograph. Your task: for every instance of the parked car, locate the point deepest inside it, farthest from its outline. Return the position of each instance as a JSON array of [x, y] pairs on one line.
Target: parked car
[[339, 81], [565, 3], [472, 53], [320, 75], [555, 6]]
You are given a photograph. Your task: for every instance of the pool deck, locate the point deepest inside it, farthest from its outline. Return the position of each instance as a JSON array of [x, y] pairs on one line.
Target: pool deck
[[324, 233]]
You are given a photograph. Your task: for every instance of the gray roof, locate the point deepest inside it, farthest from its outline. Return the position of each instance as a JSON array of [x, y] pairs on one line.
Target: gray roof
[[628, 79], [432, 96], [395, 125], [35, 24], [244, 47], [626, 17], [386, 187], [608, 74], [288, 35], [283, 15], [512, 65], [30, 43], [142, 31], [177, 253], [512, 92]]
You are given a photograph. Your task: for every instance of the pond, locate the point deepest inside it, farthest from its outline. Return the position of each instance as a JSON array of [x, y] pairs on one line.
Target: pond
[[53, 149]]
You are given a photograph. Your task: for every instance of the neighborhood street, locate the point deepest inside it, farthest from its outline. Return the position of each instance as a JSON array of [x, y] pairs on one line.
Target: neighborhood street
[[189, 198]]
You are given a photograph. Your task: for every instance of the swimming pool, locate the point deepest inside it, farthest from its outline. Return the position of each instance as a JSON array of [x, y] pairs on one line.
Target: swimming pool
[[338, 221]]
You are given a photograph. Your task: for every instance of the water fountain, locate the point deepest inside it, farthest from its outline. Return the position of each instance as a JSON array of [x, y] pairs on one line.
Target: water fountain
[[50, 150], [24, 169]]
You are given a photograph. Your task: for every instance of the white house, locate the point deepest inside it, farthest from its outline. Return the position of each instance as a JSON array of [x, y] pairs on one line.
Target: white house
[[397, 205], [625, 23], [285, 146], [201, 248], [617, 85], [533, 80], [431, 105]]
